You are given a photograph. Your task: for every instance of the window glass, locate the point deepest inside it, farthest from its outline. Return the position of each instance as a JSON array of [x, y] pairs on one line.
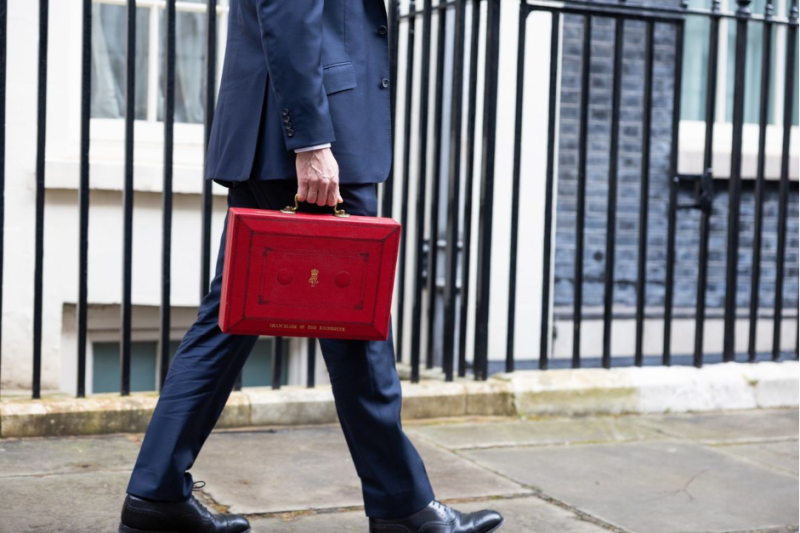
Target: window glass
[[257, 371], [190, 60], [752, 78], [106, 368], [695, 64], [108, 61]]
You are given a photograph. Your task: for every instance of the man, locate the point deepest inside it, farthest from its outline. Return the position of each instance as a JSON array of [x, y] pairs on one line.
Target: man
[[304, 98]]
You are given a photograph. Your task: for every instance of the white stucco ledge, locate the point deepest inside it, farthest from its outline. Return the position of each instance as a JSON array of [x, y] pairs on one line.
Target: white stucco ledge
[[655, 389], [523, 393]]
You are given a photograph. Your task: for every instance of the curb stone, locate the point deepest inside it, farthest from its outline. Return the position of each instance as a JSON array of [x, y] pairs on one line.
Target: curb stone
[[524, 393]]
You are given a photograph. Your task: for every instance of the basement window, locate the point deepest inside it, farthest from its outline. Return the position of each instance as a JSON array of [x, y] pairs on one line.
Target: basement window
[[257, 370]]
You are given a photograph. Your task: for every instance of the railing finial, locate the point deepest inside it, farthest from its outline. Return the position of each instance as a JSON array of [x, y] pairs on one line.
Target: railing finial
[[769, 10], [744, 8], [793, 11]]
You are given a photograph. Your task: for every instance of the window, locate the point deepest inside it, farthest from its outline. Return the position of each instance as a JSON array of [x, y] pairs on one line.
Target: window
[[109, 51], [106, 370], [695, 65], [257, 370]]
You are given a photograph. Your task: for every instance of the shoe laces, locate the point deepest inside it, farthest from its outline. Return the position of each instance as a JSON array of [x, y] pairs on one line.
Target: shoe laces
[[443, 510], [198, 485]]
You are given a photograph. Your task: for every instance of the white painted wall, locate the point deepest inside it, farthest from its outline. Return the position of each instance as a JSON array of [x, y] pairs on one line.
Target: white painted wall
[[59, 351], [534, 159]]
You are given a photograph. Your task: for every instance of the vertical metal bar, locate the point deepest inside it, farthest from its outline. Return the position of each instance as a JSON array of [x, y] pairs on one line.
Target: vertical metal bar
[[401, 282], [277, 363], [454, 191], [786, 132], [3, 61], [466, 247], [422, 174], [311, 364], [487, 191], [580, 216], [547, 248], [394, 34], [644, 192], [512, 261], [41, 137], [127, 201], [211, 89], [673, 194], [433, 249], [735, 182], [83, 193], [788, 115], [611, 212], [766, 63], [708, 158], [166, 250]]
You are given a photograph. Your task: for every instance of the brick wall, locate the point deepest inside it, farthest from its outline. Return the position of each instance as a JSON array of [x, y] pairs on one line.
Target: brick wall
[[627, 223]]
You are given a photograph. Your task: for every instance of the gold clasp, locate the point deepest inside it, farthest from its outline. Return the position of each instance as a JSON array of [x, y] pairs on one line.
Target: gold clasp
[[291, 210]]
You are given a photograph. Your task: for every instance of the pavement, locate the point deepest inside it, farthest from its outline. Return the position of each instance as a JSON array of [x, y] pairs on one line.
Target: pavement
[[734, 471]]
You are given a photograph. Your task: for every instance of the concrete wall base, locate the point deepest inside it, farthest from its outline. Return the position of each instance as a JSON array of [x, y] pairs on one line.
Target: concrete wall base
[[523, 393]]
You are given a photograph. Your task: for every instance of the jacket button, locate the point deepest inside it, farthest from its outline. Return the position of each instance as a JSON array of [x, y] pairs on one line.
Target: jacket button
[[290, 133], [382, 30], [385, 83], [286, 119], [285, 112]]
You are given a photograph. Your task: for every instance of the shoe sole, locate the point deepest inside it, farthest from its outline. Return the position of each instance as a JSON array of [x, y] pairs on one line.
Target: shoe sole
[[125, 529]]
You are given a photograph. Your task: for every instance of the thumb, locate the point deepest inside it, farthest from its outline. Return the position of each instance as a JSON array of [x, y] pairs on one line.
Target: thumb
[[302, 190]]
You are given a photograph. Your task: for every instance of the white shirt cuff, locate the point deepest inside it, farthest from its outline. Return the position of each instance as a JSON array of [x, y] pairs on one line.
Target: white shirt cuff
[[309, 148]]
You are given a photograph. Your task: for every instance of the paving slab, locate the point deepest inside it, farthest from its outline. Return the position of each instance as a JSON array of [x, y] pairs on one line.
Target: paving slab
[[50, 456], [642, 487], [67, 503], [782, 455], [525, 514], [271, 471], [756, 424], [534, 432]]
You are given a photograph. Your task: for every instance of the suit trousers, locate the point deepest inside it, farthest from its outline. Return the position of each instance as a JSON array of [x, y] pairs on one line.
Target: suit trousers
[[363, 377]]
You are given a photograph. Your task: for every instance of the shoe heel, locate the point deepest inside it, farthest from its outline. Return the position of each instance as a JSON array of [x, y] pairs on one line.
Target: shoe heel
[[125, 529]]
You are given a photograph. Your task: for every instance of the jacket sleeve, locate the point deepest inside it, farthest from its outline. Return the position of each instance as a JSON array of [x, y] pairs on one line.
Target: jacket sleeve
[[291, 35]]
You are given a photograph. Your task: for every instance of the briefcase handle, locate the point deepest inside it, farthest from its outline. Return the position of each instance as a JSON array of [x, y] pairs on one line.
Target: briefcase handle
[[291, 210]]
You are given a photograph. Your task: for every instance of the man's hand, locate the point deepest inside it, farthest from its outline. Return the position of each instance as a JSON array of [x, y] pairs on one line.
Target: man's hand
[[318, 177]]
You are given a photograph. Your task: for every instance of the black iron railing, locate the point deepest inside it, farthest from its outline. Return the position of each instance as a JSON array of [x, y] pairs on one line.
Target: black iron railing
[[422, 255], [448, 161]]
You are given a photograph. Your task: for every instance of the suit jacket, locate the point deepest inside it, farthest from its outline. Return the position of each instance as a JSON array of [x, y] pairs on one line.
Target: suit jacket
[[299, 73]]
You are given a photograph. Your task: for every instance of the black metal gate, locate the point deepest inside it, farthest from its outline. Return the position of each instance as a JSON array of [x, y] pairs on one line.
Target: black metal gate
[[441, 279]]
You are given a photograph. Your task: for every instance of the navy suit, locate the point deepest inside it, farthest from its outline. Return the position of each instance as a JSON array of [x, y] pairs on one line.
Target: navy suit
[[276, 51], [299, 73]]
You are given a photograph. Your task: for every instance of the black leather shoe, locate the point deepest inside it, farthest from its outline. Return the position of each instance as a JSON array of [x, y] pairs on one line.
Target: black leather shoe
[[439, 518], [144, 516]]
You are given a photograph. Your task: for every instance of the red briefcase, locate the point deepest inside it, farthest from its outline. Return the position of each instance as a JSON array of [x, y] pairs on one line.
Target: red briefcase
[[293, 274]]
